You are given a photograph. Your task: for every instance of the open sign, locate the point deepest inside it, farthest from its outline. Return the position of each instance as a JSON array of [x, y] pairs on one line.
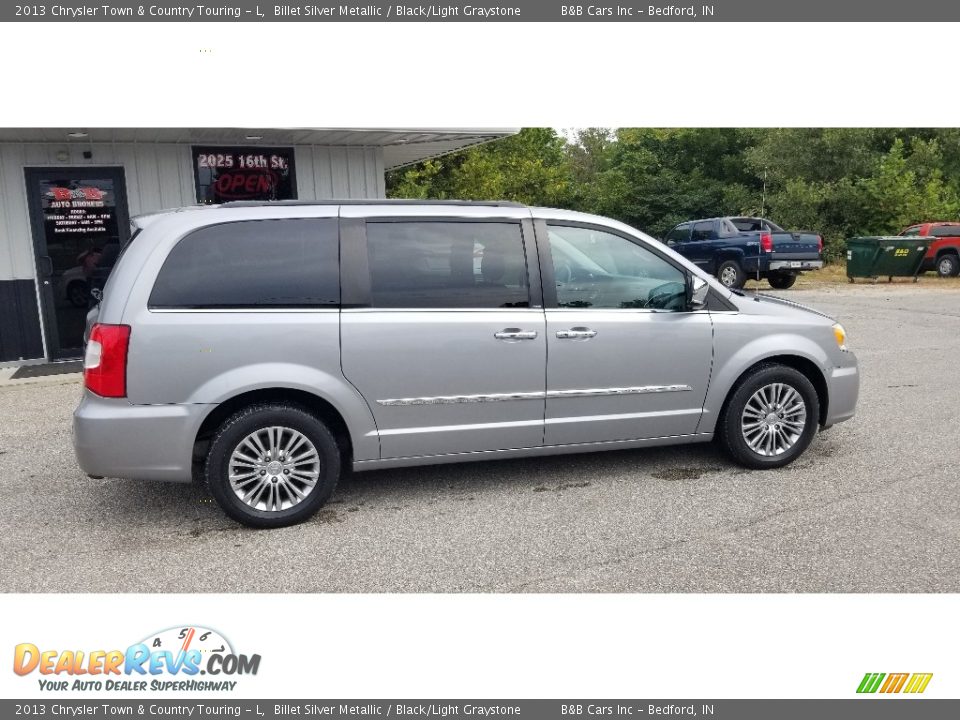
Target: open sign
[[253, 184]]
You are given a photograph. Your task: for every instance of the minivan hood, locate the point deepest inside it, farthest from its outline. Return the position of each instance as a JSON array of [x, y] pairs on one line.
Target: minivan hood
[[753, 301]]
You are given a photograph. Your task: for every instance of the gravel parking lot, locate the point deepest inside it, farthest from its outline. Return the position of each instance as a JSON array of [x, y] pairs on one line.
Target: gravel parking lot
[[872, 506]]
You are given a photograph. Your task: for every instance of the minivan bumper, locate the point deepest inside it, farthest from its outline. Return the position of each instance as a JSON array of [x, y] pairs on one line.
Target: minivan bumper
[[843, 388], [112, 438]]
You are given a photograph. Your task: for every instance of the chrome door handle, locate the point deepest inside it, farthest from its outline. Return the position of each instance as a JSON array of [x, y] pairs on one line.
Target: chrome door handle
[[515, 334], [577, 333]]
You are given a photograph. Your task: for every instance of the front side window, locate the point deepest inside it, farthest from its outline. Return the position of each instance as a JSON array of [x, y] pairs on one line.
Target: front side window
[[681, 233], [911, 232], [597, 269], [424, 264], [253, 264]]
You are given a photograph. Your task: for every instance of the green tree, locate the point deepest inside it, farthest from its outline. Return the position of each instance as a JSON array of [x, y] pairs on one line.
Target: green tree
[[840, 182], [530, 167]]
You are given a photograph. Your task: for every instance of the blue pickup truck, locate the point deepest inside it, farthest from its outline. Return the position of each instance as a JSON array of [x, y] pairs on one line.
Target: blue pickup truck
[[737, 249]]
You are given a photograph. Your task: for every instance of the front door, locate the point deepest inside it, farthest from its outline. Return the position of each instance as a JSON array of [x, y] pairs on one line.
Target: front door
[[626, 360], [449, 350], [78, 217]]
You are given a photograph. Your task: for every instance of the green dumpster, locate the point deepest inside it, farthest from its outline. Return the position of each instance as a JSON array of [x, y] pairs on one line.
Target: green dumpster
[[894, 256]]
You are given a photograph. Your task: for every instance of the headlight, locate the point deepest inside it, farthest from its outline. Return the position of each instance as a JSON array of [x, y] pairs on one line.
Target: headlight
[[841, 336]]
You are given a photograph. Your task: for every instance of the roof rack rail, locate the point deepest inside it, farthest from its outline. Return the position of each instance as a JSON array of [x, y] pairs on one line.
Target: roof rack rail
[[382, 201]]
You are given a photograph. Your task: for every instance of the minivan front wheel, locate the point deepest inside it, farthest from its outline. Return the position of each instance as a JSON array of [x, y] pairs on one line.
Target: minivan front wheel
[[272, 465], [771, 417]]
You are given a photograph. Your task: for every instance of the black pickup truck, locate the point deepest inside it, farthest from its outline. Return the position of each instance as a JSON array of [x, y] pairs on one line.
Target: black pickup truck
[[736, 249]]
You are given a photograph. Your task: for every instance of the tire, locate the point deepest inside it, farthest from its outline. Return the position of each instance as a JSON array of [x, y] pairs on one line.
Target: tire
[[731, 275], [273, 499], [765, 379], [948, 265], [782, 281]]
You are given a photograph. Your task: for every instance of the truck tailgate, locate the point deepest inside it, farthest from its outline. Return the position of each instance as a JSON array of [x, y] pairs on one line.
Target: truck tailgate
[[795, 246]]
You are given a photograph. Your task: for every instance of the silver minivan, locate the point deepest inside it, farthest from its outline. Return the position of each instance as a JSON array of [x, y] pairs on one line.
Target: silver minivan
[[269, 347]]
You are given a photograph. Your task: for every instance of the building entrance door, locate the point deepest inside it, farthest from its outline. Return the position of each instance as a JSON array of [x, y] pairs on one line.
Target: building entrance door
[[80, 221]]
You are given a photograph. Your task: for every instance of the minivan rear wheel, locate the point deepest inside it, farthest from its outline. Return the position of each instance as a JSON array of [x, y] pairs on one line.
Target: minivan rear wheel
[[272, 465], [770, 418]]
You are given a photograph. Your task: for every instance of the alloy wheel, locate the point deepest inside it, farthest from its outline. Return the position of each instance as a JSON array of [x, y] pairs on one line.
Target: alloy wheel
[[773, 419], [274, 468]]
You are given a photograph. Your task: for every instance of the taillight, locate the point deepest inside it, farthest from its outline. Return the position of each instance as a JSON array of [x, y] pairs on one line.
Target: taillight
[[105, 362], [819, 243], [766, 242]]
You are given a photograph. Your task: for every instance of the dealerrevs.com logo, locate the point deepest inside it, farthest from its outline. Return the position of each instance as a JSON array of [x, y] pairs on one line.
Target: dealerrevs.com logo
[[179, 659]]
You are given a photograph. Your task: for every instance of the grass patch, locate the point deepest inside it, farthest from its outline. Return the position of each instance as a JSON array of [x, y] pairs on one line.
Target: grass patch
[[836, 274]]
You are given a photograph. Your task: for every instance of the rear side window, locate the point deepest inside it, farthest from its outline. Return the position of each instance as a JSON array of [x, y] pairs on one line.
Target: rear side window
[[945, 231], [447, 265], [702, 231], [253, 264], [747, 224]]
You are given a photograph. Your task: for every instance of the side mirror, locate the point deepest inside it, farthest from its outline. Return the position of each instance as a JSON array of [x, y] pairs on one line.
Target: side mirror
[[697, 289]]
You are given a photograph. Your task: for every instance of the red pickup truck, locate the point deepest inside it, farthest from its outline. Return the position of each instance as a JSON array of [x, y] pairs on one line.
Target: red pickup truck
[[943, 254]]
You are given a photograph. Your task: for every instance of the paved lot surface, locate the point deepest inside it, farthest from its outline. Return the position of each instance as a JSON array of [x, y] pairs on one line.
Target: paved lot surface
[[873, 506]]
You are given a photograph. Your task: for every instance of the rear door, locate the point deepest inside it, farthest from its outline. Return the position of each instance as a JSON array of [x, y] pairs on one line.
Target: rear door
[[442, 328]]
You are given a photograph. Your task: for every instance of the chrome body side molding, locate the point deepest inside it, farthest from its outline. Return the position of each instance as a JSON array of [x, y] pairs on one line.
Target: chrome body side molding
[[502, 397]]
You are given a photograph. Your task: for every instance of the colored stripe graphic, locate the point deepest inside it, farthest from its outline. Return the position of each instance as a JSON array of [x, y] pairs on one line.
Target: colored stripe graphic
[[870, 682], [918, 683], [894, 682]]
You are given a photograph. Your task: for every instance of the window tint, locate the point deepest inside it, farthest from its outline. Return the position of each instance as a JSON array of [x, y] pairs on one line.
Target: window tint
[[911, 232], [447, 265], [256, 263], [702, 231], [597, 269], [679, 234], [946, 231]]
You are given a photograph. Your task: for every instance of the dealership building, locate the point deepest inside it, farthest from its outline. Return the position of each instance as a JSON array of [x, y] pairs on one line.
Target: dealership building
[[66, 197]]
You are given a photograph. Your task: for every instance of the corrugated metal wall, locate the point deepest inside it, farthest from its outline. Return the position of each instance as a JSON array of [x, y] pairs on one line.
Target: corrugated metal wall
[[161, 176]]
